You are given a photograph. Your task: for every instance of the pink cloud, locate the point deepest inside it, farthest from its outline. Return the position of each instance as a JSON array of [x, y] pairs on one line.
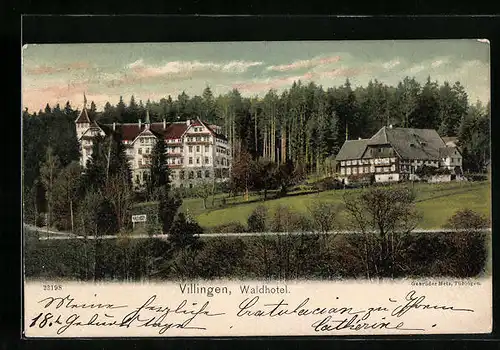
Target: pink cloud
[[341, 72], [140, 69], [305, 64]]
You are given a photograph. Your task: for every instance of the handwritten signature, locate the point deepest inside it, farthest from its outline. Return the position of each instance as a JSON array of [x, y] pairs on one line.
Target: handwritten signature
[[250, 307]]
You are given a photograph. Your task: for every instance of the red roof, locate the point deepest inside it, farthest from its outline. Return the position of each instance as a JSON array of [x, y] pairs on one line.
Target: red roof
[[83, 117], [129, 132], [174, 131]]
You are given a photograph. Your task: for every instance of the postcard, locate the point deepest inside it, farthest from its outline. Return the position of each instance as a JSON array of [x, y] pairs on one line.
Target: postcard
[[256, 189]]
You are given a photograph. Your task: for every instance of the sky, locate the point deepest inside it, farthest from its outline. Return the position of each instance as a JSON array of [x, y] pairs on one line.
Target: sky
[[56, 73]]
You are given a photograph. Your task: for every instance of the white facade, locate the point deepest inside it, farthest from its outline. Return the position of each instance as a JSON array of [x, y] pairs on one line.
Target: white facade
[[195, 152], [387, 177]]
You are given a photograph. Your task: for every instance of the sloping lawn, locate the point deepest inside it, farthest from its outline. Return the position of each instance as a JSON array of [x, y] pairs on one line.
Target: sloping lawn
[[436, 201]]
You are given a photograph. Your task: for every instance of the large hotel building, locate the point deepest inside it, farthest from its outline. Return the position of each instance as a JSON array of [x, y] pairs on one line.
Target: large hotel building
[[196, 151]]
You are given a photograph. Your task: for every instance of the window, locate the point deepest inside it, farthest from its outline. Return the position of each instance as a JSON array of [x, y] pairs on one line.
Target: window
[[207, 173], [197, 160], [393, 168], [142, 140], [348, 171], [139, 151], [342, 171], [342, 163], [144, 176], [179, 160], [206, 148], [367, 169], [354, 162], [147, 150], [181, 175], [181, 185], [372, 169], [173, 175], [190, 160], [190, 149], [348, 162], [191, 174], [181, 149], [198, 174], [378, 170], [197, 148], [354, 170], [360, 170], [190, 185], [206, 160], [198, 138], [137, 178]]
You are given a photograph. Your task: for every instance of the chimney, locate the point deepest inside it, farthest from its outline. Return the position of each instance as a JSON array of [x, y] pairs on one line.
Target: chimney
[[188, 122], [164, 124], [140, 124], [114, 126]]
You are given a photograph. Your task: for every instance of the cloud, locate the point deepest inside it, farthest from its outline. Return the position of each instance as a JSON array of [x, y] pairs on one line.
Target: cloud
[[263, 85], [44, 69], [142, 70], [317, 61], [391, 64]]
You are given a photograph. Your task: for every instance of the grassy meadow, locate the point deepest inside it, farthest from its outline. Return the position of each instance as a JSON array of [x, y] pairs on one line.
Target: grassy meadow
[[437, 202]]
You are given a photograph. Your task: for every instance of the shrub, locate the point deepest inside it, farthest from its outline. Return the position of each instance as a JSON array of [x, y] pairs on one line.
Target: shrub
[[328, 183], [468, 220], [286, 220], [257, 221], [477, 177]]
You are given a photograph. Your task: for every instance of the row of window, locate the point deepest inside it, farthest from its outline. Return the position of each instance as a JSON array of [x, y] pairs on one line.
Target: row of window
[[198, 149], [222, 150], [367, 170], [183, 175], [148, 140], [367, 161], [198, 139], [223, 162], [198, 160]]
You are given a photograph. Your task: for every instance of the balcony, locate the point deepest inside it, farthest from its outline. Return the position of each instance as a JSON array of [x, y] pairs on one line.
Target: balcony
[[198, 142]]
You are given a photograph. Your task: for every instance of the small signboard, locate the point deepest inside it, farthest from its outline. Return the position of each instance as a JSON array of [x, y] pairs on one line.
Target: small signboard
[[139, 218]]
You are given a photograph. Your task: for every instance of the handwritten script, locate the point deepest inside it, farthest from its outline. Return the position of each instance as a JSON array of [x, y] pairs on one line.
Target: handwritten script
[[60, 314]]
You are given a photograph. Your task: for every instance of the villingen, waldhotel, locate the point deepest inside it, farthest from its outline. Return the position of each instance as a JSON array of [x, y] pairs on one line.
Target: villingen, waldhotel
[[196, 151]]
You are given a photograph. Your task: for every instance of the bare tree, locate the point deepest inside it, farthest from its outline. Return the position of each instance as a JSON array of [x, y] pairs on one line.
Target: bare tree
[[384, 216], [119, 195], [48, 172]]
